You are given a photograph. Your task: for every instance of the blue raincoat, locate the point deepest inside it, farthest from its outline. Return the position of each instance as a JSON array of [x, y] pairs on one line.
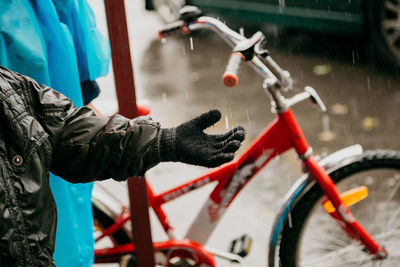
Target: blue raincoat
[[56, 43]]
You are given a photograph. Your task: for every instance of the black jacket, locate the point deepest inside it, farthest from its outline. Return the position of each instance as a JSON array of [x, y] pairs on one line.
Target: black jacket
[[41, 130]]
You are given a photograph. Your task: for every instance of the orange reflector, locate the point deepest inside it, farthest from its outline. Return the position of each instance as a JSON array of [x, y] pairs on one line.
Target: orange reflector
[[349, 198]]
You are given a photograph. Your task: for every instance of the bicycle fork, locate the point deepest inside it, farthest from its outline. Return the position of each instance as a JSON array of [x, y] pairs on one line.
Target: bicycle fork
[[342, 213], [350, 224]]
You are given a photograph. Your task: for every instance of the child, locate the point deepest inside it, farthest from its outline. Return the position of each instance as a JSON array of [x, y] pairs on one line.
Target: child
[[41, 130]]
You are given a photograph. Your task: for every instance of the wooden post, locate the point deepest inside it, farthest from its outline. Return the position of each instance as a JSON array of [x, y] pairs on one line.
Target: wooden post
[[125, 87]]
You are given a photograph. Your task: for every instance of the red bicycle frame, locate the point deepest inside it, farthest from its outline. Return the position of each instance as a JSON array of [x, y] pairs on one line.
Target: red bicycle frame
[[281, 135]]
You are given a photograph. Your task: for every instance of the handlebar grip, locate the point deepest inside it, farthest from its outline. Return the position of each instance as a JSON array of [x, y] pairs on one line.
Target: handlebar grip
[[231, 74], [174, 28]]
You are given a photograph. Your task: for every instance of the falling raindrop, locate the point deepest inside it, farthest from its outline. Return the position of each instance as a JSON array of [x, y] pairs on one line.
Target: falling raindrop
[[226, 122], [191, 42], [354, 58], [301, 75], [164, 97], [184, 51], [290, 220], [325, 123], [326, 135], [368, 83], [248, 115], [353, 102]]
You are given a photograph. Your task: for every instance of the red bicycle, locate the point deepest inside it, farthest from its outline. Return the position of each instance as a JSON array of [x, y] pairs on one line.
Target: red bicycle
[[344, 210]]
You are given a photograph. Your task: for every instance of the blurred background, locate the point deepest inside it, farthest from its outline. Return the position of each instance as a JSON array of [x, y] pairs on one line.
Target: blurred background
[[348, 53]]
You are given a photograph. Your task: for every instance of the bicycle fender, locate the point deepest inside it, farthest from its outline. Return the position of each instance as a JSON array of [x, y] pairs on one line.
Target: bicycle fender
[[106, 202], [331, 163]]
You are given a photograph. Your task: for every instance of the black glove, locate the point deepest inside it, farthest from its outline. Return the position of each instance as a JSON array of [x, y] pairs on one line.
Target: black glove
[[189, 144]]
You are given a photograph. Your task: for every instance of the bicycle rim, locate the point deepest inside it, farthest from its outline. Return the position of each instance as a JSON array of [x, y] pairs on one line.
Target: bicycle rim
[[324, 243], [102, 219]]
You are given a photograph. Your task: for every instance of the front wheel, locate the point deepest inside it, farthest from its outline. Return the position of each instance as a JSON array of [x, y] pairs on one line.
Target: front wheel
[[313, 238]]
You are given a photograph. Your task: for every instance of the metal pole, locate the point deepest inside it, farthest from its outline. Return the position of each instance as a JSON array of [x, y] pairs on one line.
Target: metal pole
[[125, 88]]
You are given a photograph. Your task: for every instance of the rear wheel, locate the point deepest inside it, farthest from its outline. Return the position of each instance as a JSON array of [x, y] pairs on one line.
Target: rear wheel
[[313, 238], [103, 219], [383, 25]]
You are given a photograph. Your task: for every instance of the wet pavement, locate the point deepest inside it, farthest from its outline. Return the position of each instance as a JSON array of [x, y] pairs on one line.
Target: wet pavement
[[179, 82]]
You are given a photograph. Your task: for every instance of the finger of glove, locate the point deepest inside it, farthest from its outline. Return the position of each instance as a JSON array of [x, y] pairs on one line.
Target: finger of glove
[[237, 130], [239, 136], [232, 146], [207, 119], [220, 159]]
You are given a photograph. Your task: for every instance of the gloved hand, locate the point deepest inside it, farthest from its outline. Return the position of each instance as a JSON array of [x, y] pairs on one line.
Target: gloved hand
[[189, 144]]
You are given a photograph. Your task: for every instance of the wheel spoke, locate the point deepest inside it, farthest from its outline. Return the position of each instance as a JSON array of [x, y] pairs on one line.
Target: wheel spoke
[[389, 24], [392, 7], [397, 212], [317, 240], [393, 37], [323, 244], [337, 257]]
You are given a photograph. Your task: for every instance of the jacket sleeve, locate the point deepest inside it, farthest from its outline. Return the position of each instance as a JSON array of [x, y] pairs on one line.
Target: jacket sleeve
[[87, 147]]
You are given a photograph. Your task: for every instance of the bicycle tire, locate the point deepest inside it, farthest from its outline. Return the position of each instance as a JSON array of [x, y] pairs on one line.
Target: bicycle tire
[[298, 235], [102, 219]]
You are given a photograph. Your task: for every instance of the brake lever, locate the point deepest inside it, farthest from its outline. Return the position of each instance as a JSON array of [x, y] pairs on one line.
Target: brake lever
[[260, 49], [189, 14], [314, 97], [309, 93]]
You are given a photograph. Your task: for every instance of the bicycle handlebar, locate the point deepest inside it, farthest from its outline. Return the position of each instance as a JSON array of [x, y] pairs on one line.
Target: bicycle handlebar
[[171, 29], [272, 72], [231, 74], [250, 50]]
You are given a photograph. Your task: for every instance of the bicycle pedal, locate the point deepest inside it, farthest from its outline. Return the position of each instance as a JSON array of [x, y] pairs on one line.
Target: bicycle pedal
[[241, 246]]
